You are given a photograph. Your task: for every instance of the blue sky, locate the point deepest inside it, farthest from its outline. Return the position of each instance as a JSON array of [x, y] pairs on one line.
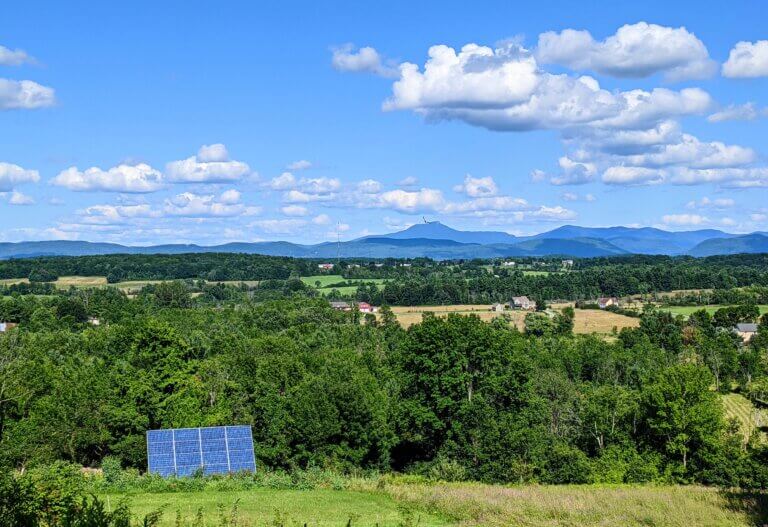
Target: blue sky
[[243, 121]]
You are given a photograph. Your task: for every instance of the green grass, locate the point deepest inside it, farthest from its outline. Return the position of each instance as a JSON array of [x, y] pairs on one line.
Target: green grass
[[536, 273], [687, 310], [326, 280], [293, 507]]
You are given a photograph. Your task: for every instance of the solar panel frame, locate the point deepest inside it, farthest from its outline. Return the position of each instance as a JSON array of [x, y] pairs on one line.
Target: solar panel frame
[[213, 449]]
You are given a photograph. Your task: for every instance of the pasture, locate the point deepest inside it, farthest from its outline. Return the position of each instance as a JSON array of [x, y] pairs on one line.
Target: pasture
[[686, 311], [749, 417], [324, 282]]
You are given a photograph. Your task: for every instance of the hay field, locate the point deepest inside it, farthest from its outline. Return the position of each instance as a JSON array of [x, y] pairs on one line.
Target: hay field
[[586, 320]]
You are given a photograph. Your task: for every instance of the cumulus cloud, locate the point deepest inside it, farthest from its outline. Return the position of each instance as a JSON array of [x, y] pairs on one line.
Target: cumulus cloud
[[115, 214], [423, 200], [13, 57], [17, 198], [486, 204], [747, 59], [12, 175], [408, 181], [139, 178], [210, 165], [623, 175], [755, 177], [477, 187], [25, 95], [294, 210], [321, 219], [635, 50], [572, 196], [298, 196], [301, 164], [737, 112], [369, 186], [503, 89], [193, 205], [347, 58]]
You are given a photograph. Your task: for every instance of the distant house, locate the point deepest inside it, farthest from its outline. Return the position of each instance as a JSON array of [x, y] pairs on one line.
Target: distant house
[[498, 308], [6, 326], [746, 331], [522, 302], [365, 307], [508, 264], [607, 301], [325, 266], [567, 263], [341, 306], [94, 321]]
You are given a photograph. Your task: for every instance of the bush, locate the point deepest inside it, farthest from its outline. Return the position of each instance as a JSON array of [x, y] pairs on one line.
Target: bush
[[18, 502]]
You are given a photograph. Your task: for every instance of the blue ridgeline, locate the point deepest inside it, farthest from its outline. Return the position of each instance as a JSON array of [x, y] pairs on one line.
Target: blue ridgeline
[[214, 450]]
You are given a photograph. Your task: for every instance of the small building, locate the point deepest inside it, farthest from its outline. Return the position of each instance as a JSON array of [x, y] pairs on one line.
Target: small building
[[365, 307], [7, 326], [522, 302], [567, 263], [93, 321], [508, 264], [325, 266], [607, 301], [341, 306], [498, 308], [746, 331]]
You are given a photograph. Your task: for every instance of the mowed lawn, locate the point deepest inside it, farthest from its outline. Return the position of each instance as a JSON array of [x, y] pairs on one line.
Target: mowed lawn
[[279, 507], [327, 280], [748, 415], [687, 310], [586, 320]]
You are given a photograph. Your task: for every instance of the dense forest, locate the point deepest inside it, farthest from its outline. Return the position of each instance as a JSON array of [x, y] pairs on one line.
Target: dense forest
[[453, 397]]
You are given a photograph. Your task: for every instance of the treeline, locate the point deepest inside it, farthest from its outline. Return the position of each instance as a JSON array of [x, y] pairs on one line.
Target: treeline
[[120, 267], [455, 398]]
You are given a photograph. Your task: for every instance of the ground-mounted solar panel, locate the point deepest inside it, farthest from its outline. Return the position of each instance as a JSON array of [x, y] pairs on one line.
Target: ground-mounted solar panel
[[214, 450]]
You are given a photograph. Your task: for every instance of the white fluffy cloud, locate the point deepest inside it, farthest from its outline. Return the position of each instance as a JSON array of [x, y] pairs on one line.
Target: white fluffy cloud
[[572, 172], [139, 178], [737, 112], [294, 210], [366, 59], [301, 164], [747, 59], [486, 204], [210, 165], [321, 219], [12, 175], [13, 57], [423, 200], [17, 198], [635, 50], [756, 177], [193, 205], [24, 95], [622, 175], [503, 89], [369, 186], [693, 153], [477, 187], [115, 214]]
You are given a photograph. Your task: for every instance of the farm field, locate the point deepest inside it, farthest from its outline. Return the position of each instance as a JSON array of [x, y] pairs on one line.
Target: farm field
[[748, 416], [586, 320], [687, 310], [466, 505], [279, 507], [326, 280]]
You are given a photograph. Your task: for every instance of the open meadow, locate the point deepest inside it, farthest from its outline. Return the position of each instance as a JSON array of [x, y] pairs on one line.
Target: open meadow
[[687, 310], [395, 504]]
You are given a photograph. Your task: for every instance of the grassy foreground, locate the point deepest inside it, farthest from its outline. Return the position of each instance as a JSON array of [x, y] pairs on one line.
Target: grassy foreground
[[466, 505]]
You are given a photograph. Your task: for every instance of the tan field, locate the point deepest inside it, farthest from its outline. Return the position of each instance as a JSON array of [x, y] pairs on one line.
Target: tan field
[[11, 281], [586, 321], [64, 282]]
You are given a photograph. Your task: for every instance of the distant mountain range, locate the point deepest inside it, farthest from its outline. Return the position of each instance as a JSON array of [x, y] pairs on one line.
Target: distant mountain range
[[438, 241]]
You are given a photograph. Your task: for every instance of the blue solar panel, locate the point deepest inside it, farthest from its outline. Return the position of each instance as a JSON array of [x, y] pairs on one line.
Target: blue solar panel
[[215, 450]]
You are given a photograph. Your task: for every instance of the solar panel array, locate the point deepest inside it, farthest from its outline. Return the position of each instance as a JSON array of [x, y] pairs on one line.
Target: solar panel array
[[215, 450]]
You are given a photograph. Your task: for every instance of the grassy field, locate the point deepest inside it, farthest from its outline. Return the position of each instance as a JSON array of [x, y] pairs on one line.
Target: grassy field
[[464, 505], [326, 280], [586, 506], [281, 507], [687, 310], [748, 416], [586, 321]]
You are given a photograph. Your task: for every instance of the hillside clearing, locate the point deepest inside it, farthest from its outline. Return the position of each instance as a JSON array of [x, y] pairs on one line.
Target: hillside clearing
[[749, 417], [687, 310]]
